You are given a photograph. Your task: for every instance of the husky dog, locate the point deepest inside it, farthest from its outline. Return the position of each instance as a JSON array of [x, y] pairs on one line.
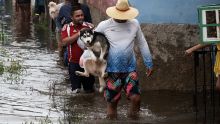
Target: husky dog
[[94, 57]]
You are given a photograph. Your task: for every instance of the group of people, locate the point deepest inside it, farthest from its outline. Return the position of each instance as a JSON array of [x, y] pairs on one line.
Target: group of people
[[122, 31]]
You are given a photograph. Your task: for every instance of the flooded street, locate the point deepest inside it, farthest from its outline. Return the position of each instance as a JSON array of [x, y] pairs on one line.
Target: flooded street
[[38, 91]]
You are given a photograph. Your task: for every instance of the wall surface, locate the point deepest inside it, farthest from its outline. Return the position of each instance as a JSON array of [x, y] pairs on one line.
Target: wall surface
[[170, 11], [161, 11]]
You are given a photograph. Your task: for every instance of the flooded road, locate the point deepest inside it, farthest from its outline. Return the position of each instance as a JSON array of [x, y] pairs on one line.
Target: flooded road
[[37, 91]]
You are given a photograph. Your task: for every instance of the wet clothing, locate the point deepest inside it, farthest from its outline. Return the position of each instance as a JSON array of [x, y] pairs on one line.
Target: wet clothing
[[64, 16], [74, 54], [76, 81], [118, 81], [122, 37]]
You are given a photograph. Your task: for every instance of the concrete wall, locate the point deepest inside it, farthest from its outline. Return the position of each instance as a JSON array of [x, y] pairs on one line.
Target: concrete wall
[[173, 70], [161, 11], [169, 11], [167, 41]]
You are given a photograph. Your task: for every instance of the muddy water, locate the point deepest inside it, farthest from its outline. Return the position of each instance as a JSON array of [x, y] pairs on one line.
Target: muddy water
[[40, 92]]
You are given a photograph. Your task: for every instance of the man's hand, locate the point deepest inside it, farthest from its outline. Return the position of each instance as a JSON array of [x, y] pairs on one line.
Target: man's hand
[[149, 72], [188, 52]]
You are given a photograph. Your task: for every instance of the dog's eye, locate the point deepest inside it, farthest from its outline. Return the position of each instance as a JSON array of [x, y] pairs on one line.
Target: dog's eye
[[84, 36]]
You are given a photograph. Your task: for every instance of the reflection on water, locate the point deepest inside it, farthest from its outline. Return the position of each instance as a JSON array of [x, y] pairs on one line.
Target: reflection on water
[[42, 94]]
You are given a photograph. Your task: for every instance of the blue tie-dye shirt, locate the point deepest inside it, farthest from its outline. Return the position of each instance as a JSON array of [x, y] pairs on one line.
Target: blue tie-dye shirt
[[122, 37]]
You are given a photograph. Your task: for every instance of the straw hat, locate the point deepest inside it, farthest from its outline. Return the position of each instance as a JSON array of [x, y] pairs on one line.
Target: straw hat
[[122, 11]]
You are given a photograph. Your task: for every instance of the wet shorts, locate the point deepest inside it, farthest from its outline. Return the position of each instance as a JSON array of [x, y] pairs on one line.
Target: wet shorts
[[118, 81]]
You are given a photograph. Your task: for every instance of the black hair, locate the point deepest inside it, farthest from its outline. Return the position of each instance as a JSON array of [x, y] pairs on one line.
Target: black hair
[[76, 7], [73, 2]]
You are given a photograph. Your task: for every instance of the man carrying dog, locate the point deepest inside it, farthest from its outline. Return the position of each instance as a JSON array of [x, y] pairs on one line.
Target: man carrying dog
[[123, 31], [65, 17], [70, 34]]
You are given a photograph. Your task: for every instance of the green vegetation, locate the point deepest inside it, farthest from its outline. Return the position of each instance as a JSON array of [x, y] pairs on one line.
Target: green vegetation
[[1, 68], [11, 69], [45, 120]]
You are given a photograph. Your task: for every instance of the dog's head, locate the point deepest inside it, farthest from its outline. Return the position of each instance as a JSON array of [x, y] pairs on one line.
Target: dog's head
[[52, 4], [86, 36], [52, 9]]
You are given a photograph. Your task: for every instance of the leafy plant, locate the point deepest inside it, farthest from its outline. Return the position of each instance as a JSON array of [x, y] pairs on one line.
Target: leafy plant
[[11, 69], [1, 68]]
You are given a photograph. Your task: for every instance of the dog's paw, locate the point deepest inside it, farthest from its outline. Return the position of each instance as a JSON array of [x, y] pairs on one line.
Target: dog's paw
[[105, 75], [78, 73], [86, 75], [101, 89]]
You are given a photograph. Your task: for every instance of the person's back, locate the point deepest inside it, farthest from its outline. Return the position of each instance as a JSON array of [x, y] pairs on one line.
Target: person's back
[[64, 16]]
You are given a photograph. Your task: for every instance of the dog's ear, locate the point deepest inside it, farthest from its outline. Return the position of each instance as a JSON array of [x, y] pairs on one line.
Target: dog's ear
[[52, 4], [92, 29], [81, 32]]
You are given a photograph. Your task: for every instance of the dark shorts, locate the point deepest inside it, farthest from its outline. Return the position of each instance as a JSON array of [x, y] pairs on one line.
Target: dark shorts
[[77, 81], [118, 81]]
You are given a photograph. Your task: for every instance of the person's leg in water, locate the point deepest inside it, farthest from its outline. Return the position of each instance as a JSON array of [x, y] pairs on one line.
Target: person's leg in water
[[112, 94], [218, 83], [74, 79], [88, 84], [135, 106], [133, 94], [112, 110]]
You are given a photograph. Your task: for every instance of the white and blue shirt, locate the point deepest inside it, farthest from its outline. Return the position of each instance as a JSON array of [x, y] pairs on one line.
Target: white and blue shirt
[[122, 37]]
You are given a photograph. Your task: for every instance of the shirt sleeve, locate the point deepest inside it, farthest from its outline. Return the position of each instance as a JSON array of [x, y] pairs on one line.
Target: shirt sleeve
[[143, 46], [100, 28], [81, 44], [64, 32]]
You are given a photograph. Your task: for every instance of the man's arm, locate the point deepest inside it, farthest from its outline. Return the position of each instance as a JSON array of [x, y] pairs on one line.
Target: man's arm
[[69, 40], [66, 39], [145, 51], [196, 47]]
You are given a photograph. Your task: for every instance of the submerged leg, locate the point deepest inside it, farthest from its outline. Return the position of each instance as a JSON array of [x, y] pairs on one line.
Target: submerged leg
[[218, 84], [135, 106], [112, 110]]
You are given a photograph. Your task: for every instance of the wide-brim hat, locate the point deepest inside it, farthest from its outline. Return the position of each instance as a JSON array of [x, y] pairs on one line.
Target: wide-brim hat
[[122, 11]]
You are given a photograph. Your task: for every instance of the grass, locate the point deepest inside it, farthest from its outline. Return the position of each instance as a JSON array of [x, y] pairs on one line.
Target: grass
[[11, 69], [45, 120]]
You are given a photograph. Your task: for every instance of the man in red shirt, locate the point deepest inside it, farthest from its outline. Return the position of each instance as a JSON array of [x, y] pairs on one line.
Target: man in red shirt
[[70, 34]]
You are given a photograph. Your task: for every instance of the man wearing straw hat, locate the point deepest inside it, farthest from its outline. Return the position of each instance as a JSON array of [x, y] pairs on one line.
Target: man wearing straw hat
[[123, 31]]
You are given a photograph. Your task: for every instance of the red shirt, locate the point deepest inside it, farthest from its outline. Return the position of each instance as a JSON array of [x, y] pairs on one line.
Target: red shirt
[[74, 51]]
